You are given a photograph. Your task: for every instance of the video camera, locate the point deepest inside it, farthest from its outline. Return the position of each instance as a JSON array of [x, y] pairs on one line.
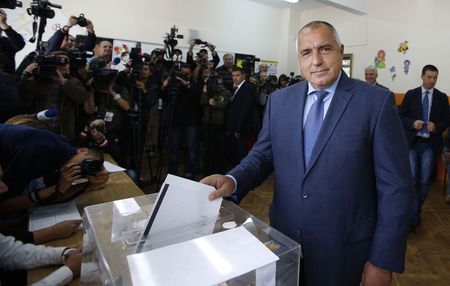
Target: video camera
[[41, 8], [101, 73], [78, 59], [170, 39], [137, 58], [10, 4], [47, 64]]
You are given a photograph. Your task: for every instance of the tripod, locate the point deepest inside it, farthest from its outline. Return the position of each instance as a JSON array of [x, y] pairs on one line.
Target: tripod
[[140, 142]]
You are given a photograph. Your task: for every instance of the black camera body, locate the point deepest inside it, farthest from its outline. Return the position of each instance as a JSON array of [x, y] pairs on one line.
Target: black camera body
[[90, 167], [102, 75], [78, 58], [171, 38], [81, 21], [41, 8], [102, 78], [10, 4], [47, 64]]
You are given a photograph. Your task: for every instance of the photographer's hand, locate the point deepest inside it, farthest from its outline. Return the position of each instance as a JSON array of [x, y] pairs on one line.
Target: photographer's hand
[[59, 78], [29, 69], [183, 82], [3, 18], [67, 175], [141, 85], [98, 181], [90, 27], [72, 22]]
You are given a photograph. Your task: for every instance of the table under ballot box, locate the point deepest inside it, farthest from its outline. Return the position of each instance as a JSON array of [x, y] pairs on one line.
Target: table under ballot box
[[117, 249]]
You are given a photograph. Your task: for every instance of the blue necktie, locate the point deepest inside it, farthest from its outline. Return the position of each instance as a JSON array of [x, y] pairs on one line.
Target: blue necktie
[[425, 106], [313, 124]]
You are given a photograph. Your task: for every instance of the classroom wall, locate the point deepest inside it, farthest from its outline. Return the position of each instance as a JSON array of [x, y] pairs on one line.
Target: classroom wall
[[423, 23], [240, 26]]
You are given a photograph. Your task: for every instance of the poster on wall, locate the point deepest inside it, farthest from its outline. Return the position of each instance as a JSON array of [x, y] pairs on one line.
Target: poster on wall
[[393, 72], [380, 59], [406, 64], [271, 66], [403, 47]]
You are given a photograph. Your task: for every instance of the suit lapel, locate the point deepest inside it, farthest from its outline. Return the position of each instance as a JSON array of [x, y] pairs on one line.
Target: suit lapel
[[337, 107], [299, 97]]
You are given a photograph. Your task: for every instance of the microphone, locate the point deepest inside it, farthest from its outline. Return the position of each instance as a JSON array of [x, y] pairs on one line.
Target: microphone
[[47, 114], [116, 61]]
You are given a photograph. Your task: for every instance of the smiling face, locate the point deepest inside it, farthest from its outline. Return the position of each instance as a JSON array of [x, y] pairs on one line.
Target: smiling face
[[320, 56]]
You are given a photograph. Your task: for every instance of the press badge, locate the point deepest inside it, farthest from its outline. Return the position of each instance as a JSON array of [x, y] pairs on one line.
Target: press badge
[[109, 116]]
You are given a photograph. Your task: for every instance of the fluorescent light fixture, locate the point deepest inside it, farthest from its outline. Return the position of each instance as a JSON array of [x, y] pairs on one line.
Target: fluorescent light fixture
[[291, 1]]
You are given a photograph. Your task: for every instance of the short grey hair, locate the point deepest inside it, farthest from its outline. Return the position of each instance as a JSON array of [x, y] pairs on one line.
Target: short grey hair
[[317, 24], [226, 55], [371, 68]]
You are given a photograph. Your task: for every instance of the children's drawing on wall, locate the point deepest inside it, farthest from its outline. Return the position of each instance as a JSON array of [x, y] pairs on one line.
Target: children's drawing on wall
[[393, 73], [403, 48], [121, 53], [406, 65], [380, 59]]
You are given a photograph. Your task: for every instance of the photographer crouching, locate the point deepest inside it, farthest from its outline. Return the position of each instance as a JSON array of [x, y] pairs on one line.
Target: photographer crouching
[[181, 117], [215, 98]]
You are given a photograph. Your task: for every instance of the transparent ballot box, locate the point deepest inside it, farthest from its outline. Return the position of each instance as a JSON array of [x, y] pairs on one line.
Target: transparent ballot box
[[114, 231]]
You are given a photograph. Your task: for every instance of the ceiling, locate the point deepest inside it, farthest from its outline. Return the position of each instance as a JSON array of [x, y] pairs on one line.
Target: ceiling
[[302, 4]]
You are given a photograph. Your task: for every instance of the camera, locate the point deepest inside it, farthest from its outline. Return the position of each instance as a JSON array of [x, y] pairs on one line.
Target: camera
[[101, 73], [200, 42], [90, 167], [10, 4], [41, 8], [81, 21], [171, 37], [78, 59], [46, 65]]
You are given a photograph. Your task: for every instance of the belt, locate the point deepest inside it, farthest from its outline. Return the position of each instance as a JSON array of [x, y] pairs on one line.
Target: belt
[[422, 140]]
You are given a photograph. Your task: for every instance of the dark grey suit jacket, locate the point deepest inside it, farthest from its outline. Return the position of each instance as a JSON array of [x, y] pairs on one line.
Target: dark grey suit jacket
[[352, 203]]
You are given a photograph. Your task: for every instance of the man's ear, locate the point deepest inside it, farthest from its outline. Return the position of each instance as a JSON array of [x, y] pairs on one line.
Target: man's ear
[[82, 150]]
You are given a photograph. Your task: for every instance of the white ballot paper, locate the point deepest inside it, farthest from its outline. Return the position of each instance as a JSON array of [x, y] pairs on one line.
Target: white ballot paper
[[111, 168], [207, 260], [181, 202], [42, 217]]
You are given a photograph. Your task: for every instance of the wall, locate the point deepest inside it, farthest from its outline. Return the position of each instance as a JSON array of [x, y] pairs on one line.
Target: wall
[[239, 26], [423, 23]]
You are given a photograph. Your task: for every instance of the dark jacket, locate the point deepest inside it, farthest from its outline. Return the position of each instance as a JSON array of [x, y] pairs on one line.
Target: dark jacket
[[10, 46], [9, 97], [241, 111], [36, 96], [411, 110]]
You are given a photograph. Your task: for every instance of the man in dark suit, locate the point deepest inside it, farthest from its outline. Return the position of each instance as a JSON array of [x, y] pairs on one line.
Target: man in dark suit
[[239, 115], [345, 198], [425, 115]]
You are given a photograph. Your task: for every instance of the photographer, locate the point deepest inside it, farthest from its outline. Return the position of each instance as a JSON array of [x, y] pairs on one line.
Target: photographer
[[51, 86], [112, 105], [182, 93], [215, 98], [202, 55], [9, 96], [61, 39], [53, 159], [11, 44]]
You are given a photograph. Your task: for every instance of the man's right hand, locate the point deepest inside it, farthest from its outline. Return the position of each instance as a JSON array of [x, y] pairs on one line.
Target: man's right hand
[[67, 175], [224, 186], [3, 17], [418, 124]]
